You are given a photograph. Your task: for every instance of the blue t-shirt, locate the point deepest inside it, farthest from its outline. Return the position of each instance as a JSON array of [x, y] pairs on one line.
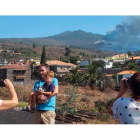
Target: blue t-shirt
[[49, 105]]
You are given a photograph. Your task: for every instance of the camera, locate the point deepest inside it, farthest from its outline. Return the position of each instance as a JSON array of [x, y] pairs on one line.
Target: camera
[[127, 82]]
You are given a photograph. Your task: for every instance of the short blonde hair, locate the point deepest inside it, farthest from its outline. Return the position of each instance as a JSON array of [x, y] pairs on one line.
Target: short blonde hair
[[49, 73]]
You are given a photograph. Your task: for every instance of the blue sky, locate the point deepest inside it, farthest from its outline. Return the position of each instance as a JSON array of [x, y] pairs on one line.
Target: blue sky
[[43, 26]]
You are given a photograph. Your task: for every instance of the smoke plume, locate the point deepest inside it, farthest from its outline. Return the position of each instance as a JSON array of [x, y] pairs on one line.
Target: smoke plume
[[124, 37]]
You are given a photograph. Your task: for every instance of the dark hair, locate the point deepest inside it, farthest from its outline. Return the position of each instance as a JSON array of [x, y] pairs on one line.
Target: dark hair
[[135, 84], [46, 66]]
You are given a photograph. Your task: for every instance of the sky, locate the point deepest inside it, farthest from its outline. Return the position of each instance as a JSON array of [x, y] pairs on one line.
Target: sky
[[42, 26], [114, 12]]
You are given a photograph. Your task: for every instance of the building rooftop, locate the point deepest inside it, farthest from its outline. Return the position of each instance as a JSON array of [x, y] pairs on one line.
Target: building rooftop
[[15, 67], [134, 57], [127, 72], [57, 62]]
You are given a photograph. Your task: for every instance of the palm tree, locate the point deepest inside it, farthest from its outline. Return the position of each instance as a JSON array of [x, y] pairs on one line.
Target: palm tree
[[93, 74], [74, 76], [129, 53]]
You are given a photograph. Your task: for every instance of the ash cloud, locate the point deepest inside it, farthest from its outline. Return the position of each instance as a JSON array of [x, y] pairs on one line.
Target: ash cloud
[[124, 37]]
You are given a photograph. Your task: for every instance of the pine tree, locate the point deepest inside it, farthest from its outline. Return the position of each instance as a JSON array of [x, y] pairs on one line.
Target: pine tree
[[43, 56], [68, 51], [34, 45]]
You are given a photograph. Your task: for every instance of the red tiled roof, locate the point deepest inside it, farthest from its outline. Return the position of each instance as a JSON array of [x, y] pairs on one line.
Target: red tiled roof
[[126, 72], [134, 57], [108, 75], [57, 62], [15, 67]]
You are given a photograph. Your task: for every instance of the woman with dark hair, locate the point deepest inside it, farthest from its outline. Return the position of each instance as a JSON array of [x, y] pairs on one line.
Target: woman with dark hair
[[127, 109]]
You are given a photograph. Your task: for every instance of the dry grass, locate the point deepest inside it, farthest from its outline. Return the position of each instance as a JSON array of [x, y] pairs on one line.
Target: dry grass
[[85, 100]]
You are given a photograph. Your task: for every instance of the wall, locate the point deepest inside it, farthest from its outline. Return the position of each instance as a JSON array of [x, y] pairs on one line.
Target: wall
[[23, 81]]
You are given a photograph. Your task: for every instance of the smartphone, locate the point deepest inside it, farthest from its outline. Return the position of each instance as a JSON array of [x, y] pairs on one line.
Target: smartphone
[[3, 73], [2, 84]]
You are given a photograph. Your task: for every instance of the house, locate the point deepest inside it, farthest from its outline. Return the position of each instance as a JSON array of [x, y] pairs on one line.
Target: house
[[37, 61], [60, 67], [3, 63], [108, 65], [124, 74], [19, 75], [121, 55], [111, 71], [97, 59], [137, 58], [84, 63]]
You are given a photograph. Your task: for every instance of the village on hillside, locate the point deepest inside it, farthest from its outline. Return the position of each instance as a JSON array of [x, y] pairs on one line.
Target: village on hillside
[[23, 71], [87, 85]]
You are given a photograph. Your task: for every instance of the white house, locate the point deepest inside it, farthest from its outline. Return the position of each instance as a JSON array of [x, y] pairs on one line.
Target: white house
[[108, 65]]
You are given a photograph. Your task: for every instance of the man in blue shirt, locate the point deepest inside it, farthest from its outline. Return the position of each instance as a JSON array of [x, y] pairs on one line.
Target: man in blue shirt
[[45, 113]]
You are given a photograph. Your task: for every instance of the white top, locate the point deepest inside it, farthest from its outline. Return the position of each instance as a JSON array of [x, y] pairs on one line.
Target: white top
[[0, 102], [126, 110]]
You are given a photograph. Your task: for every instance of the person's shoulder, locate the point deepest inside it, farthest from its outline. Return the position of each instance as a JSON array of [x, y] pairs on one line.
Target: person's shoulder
[[123, 100], [55, 81]]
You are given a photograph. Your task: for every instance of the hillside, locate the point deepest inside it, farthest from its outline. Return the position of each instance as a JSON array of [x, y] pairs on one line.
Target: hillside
[[78, 38], [53, 52]]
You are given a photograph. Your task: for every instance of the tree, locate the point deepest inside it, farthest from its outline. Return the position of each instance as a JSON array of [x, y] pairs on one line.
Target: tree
[[43, 56], [99, 63], [34, 45], [129, 53], [68, 51], [92, 75], [74, 76], [132, 65], [74, 59]]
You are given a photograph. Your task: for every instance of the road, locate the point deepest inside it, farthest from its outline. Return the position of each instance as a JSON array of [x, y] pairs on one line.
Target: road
[[13, 116]]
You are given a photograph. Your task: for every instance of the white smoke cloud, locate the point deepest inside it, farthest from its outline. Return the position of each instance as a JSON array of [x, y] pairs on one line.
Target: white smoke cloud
[[125, 36]]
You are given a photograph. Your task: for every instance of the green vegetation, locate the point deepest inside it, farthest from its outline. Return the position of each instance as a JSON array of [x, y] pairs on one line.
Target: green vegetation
[[74, 77], [68, 51], [70, 105], [34, 45], [70, 59], [116, 65], [109, 58], [43, 56], [90, 77], [129, 54], [22, 104], [132, 65], [93, 74]]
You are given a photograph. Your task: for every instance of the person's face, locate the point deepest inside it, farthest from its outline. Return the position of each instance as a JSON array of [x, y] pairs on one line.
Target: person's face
[[42, 70], [49, 79]]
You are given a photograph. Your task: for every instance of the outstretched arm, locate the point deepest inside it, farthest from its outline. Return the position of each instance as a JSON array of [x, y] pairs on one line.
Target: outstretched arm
[[7, 104]]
